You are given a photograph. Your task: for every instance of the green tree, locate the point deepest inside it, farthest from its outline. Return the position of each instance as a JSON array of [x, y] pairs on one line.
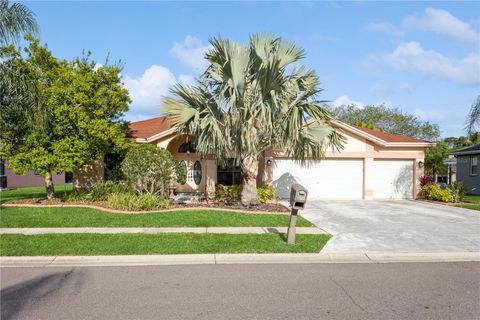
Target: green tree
[[386, 119], [434, 158], [149, 169], [473, 119], [15, 20], [250, 98], [58, 115]]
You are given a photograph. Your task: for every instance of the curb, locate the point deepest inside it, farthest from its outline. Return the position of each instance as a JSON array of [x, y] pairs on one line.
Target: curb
[[197, 259]]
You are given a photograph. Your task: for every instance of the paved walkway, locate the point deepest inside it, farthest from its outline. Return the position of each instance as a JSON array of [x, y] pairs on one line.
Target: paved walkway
[[228, 230]]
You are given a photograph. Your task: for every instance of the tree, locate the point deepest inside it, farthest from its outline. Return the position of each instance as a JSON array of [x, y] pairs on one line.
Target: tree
[[149, 169], [434, 158], [57, 115], [473, 119], [15, 20], [250, 98], [386, 119]]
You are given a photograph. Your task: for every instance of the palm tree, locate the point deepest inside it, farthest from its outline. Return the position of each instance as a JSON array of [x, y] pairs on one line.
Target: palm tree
[[252, 98], [473, 119], [15, 19]]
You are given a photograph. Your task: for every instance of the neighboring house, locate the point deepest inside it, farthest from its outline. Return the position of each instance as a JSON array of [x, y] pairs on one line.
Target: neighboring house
[[10, 180], [468, 167], [373, 165]]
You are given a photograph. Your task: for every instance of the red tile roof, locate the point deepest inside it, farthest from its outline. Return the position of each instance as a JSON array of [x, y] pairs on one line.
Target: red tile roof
[[148, 128], [389, 137]]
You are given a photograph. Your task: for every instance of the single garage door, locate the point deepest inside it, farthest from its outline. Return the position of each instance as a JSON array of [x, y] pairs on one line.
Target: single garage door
[[393, 179], [327, 179]]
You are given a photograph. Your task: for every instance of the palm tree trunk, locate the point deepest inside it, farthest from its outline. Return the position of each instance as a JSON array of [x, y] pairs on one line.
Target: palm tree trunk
[[250, 172], [49, 185]]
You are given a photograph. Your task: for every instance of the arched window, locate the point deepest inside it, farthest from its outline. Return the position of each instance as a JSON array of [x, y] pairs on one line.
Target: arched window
[[187, 147], [183, 166], [197, 172]]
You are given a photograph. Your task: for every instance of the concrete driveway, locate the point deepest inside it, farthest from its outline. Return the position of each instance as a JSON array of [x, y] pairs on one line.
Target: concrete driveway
[[395, 226]]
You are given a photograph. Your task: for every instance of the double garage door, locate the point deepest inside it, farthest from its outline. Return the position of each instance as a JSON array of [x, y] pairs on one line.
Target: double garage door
[[343, 178]]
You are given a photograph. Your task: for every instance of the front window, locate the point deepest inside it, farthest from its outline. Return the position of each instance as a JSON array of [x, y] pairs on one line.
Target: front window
[[187, 147], [229, 174], [474, 165], [197, 172]]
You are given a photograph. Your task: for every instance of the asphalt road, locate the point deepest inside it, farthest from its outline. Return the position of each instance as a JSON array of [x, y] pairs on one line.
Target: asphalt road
[[275, 291]]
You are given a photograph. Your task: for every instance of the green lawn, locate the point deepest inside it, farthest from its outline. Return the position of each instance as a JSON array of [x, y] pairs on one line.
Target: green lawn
[[472, 198], [470, 206], [17, 217], [32, 192], [129, 244]]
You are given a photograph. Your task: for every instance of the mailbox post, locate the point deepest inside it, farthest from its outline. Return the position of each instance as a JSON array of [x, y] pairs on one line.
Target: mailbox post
[[298, 199]]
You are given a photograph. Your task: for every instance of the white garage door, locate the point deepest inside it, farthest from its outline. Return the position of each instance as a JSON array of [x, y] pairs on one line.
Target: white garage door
[[393, 179], [327, 179]]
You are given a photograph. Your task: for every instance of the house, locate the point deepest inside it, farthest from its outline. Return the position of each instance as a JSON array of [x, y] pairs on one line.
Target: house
[[9, 180], [373, 164], [467, 167]]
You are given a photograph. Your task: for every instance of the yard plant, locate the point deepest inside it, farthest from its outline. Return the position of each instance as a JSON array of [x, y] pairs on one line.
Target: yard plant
[[251, 98]]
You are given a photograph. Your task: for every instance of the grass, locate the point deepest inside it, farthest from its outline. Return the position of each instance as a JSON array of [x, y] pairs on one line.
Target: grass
[[18, 217], [472, 198], [129, 244], [32, 192], [470, 206]]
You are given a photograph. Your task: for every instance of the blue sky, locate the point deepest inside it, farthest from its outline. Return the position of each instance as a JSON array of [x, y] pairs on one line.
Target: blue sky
[[422, 57]]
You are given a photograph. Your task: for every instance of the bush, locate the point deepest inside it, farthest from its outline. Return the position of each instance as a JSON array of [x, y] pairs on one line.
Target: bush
[[131, 201], [149, 169], [424, 180], [265, 193], [435, 193], [458, 190], [227, 193], [98, 192]]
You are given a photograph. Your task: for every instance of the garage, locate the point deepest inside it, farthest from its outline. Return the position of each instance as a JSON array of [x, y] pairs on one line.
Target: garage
[[327, 179], [392, 179]]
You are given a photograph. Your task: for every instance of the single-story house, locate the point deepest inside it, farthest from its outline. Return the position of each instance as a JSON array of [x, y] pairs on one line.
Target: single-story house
[[467, 167], [373, 164], [8, 179]]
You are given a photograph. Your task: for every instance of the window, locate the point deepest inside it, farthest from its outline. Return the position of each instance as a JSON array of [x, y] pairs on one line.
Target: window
[[2, 167], [197, 172], [183, 166], [474, 165], [229, 174], [187, 147]]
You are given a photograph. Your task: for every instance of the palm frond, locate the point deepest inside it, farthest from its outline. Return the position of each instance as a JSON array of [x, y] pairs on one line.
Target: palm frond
[[473, 119], [15, 20]]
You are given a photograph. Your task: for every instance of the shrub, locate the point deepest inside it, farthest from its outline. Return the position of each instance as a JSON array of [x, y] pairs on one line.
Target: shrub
[[227, 193], [131, 201], [424, 180], [98, 192], [149, 169], [435, 193], [265, 193], [458, 190]]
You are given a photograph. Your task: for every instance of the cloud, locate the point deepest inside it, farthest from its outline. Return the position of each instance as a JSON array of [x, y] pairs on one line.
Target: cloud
[[382, 90], [428, 115], [97, 66], [387, 28], [444, 23], [147, 91], [412, 57], [346, 101], [190, 52], [406, 87], [186, 79]]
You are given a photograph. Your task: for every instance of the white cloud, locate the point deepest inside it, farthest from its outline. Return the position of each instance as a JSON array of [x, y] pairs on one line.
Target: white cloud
[[186, 79], [428, 115], [147, 91], [444, 23], [97, 66], [346, 101], [387, 28], [191, 53], [412, 57]]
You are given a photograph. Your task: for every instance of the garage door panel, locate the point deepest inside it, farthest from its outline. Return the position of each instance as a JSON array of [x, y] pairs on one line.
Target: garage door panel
[[327, 179], [393, 179]]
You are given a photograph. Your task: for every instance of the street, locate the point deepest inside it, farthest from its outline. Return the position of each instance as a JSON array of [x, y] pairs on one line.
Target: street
[[264, 291]]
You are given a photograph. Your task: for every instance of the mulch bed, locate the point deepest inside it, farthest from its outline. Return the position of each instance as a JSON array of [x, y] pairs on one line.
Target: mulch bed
[[267, 207]]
